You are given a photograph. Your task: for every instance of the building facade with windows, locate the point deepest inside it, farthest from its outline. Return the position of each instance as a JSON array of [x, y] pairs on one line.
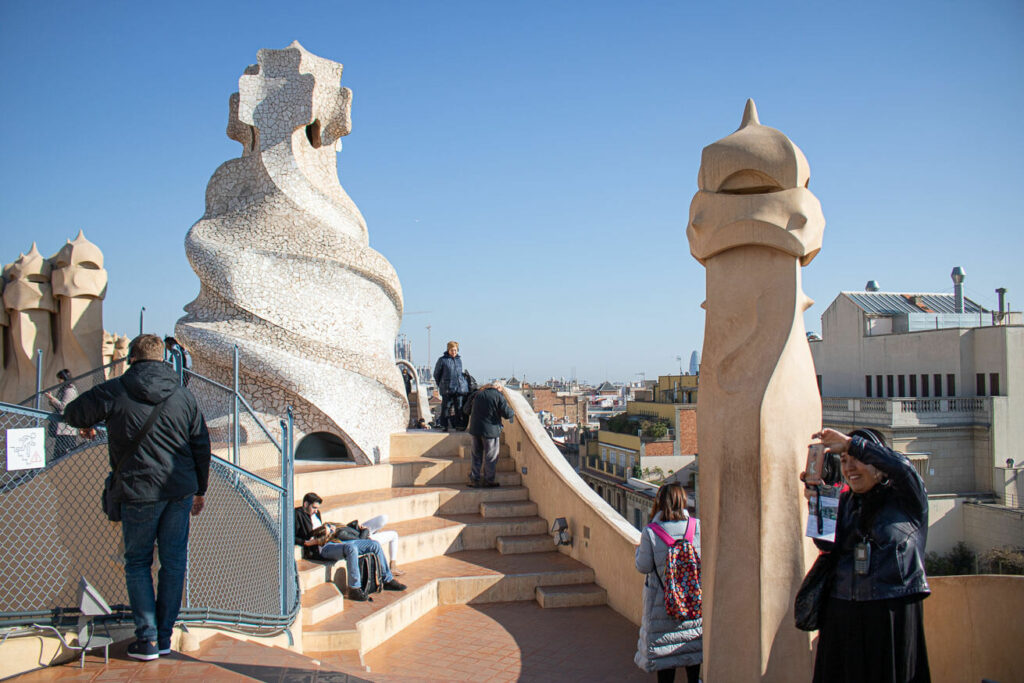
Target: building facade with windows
[[942, 382]]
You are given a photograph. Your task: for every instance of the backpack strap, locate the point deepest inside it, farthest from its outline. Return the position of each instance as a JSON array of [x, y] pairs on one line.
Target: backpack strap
[[690, 529], [662, 534]]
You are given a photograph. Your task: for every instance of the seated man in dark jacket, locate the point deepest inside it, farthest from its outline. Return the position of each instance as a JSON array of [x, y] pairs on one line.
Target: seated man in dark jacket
[[308, 521], [158, 483], [488, 407]]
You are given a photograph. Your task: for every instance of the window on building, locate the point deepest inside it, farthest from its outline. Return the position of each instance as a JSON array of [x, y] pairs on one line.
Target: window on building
[[878, 386], [993, 383], [924, 385], [867, 385], [638, 520], [937, 383], [902, 383], [888, 386], [913, 386], [979, 387], [950, 385]]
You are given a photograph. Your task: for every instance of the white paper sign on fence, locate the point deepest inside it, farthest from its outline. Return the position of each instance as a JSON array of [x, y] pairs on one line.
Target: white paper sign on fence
[[26, 448]]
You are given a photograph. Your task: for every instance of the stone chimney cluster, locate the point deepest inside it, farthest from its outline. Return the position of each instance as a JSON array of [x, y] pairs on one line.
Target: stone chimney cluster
[[53, 305]]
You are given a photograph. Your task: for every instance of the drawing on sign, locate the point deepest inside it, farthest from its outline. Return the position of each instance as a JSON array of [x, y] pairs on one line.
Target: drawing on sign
[[26, 448]]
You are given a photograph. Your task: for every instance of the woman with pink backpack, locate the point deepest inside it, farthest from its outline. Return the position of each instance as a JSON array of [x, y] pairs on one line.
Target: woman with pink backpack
[[669, 554]]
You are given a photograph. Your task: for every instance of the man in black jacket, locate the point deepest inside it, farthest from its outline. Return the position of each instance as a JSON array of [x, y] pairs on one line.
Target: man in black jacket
[[158, 483], [488, 407]]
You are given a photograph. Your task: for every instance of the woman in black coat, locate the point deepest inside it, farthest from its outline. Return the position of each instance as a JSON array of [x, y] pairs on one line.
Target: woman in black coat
[[872, 626]]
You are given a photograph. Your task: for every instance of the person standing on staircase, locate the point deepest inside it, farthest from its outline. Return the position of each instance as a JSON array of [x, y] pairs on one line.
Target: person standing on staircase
[[488, 407], [452, 384]]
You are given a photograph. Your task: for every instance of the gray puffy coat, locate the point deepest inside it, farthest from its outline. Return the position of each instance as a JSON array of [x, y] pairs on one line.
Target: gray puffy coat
[[664, 642]]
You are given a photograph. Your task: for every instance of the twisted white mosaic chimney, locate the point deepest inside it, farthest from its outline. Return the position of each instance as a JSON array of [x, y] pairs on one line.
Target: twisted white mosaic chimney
[[286, 271]]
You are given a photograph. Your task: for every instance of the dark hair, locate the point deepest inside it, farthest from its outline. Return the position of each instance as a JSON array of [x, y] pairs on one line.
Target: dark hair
[[145, 347], [311, 498], [868, 435], [670, 501], [64, 375]]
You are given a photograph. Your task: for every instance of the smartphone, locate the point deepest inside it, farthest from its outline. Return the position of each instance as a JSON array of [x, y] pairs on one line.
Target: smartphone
[[815, 464]]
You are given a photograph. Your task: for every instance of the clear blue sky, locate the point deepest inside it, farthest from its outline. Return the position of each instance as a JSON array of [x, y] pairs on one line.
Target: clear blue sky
[[528, 167]]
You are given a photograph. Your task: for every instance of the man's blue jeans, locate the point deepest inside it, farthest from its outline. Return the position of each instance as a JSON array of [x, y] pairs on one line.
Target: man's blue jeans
[[143, 525], [351, 550]]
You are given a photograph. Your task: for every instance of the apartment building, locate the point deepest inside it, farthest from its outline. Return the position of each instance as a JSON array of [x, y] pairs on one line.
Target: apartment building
[[940, 379]]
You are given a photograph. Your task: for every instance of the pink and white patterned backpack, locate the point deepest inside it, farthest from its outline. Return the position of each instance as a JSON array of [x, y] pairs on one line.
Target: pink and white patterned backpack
[[682, 574]]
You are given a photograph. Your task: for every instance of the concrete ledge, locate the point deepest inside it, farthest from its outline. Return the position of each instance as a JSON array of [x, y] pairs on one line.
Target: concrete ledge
[[973, 628]]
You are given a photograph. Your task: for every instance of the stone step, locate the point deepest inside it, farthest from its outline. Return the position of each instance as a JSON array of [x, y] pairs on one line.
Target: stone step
[[320, 602], [503, 508], [583, 595], [332, 477], [534, 543], [466, 500], [473, 576], [444, 471], [399, 504], [427, 537], [414, 502], [231, 659], [312, 573], [420, 443]]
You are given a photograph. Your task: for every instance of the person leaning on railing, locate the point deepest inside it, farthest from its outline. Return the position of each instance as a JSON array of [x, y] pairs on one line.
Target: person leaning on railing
[[872, 626]]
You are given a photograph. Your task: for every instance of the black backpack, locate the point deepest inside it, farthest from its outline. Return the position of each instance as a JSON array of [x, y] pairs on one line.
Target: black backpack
[[371, 575], [473, 386]]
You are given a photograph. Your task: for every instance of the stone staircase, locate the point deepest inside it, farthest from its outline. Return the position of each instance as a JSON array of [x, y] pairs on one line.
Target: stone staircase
[[457, 544]]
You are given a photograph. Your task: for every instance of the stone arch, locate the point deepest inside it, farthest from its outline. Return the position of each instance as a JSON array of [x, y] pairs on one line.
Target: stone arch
[[322, 446]]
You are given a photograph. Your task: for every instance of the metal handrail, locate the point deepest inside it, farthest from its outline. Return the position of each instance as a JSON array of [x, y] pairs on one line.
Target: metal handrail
[[283, 530]]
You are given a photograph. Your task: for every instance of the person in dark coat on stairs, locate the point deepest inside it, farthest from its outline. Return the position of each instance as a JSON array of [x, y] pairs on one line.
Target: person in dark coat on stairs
[[488, 407], [452, 385]]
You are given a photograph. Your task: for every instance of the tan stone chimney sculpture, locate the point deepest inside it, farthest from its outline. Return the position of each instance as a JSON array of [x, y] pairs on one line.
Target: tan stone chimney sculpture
[[28, 298], [79, 285], [285, 267], [753, 224]]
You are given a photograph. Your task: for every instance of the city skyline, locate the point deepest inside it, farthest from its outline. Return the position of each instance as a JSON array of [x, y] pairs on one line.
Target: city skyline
[[528, 171]]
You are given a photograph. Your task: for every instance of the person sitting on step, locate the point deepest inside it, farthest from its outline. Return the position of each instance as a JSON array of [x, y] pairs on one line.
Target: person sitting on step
[[333, 542]]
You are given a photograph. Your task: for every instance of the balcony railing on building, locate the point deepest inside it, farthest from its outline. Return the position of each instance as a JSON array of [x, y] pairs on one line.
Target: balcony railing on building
[[596, 464], [908, 412]]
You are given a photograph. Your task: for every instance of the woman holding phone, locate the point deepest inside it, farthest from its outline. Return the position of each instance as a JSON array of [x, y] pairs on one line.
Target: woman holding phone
[[872, 624]]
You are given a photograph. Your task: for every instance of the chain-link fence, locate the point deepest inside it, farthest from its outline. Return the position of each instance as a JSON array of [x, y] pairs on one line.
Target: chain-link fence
[[241, 569], [81, 384]]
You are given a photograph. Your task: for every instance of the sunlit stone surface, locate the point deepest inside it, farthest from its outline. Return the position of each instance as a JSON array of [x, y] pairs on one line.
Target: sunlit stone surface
[[753, 224]]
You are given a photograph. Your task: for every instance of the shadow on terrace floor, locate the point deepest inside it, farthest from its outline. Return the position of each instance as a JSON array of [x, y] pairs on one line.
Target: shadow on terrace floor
[[512, 641]]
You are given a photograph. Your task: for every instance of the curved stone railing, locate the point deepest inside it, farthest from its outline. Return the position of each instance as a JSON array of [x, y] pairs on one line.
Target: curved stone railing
[[602, 539]]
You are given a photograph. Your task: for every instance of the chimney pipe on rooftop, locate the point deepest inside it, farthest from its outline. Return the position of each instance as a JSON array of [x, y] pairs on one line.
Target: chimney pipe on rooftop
[[1001, 293], [871, 286], [958, 275]]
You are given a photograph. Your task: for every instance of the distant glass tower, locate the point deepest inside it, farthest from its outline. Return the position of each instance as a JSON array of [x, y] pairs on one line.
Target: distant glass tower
[[695, 363]]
